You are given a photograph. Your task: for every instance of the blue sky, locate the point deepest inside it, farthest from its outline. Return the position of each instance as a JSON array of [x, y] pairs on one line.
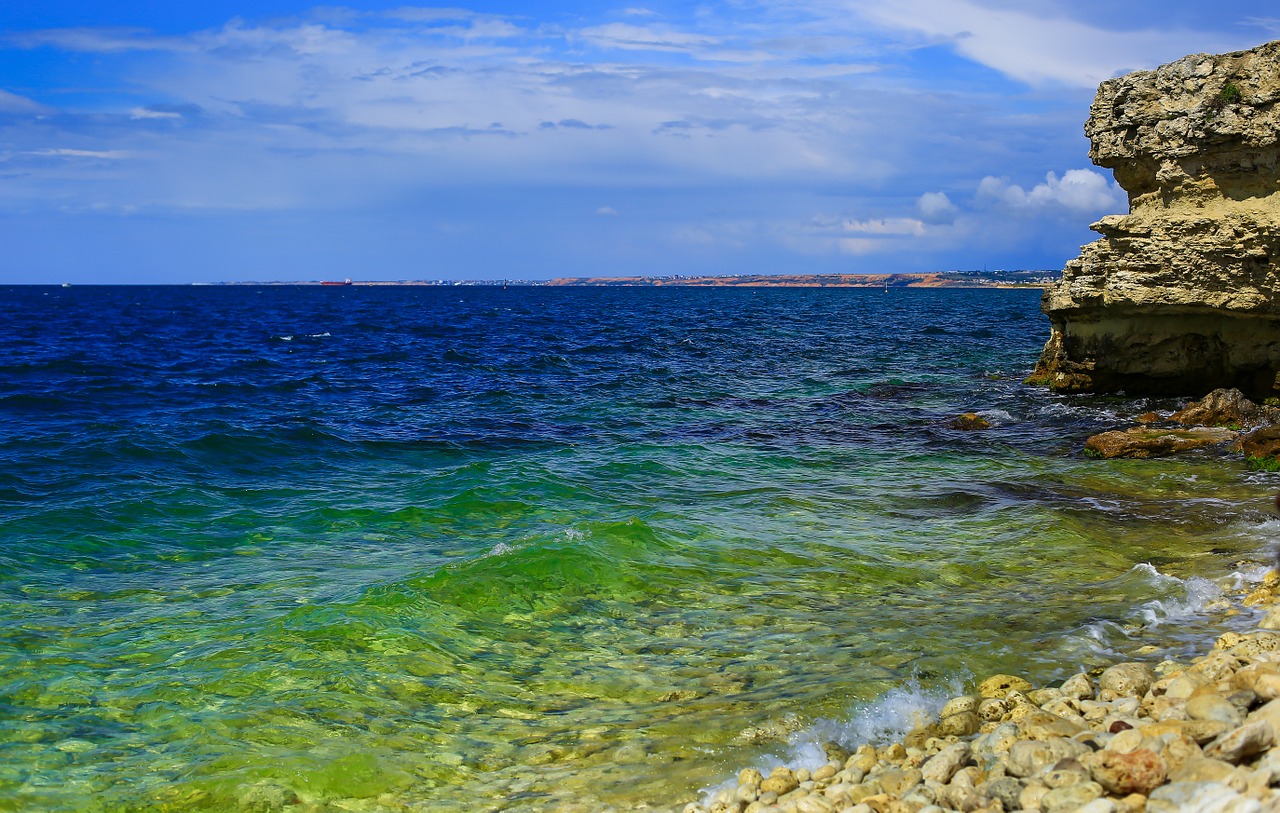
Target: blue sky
[[276, 140]]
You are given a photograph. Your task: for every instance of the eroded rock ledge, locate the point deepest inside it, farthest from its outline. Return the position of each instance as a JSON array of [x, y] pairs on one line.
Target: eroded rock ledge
[[1181, 295]]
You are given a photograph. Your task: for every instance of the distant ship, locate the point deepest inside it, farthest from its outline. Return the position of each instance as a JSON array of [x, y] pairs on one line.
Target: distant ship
[[346, 281]]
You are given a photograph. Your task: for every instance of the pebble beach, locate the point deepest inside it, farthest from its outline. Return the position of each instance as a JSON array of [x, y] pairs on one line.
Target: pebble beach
[[1134, 736]]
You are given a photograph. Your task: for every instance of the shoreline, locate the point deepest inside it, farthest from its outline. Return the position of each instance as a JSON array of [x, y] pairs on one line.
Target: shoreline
[[1128, 737]]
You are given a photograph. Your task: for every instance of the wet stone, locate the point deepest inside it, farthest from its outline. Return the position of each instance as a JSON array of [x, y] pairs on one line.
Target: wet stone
[[781, 781], [959, 725], [1000, 685], [993, 709], [956, 705], [835, 752]]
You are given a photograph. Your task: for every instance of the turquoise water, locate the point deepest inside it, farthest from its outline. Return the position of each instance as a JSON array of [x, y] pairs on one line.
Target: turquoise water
[[545, 549]]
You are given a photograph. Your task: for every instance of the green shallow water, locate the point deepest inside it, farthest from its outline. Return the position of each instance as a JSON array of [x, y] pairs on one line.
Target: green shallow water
[[590, 569]]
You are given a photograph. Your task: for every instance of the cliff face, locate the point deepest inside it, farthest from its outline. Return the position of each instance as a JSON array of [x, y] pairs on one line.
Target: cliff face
[[1181, 295]]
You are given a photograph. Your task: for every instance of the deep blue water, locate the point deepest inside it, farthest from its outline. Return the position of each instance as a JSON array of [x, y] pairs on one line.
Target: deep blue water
[[531, 548]]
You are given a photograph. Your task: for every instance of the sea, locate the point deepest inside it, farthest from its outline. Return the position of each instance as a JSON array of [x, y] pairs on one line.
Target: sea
[[303, 548]]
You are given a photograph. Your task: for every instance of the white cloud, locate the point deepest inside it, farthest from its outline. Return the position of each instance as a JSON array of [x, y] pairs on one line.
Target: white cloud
[[1079, 192], [607, 211], [936, 208], [150, 113], [825, 233]]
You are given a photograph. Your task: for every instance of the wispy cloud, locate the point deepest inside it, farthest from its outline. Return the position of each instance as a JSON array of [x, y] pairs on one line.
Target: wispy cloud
[[100, 40], [71, 153], [13, 103], [645, 38], [1042, 42]]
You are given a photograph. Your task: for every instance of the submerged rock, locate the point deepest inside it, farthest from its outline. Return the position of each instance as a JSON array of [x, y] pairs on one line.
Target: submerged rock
[[1183, 293], [1143, 442], [1216, 419], [969, 421], [1224, 407]]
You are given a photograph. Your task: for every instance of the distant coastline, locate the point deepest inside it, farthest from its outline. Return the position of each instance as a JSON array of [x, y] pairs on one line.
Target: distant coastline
[[942, 279], [947, 279]]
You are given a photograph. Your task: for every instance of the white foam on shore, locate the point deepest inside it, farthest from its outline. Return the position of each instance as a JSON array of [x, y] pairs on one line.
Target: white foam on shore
[[882, 721], [1182, 601], [1201, 596]]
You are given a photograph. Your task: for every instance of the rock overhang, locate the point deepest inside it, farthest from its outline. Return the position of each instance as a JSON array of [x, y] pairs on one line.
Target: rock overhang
[[1182, 294]]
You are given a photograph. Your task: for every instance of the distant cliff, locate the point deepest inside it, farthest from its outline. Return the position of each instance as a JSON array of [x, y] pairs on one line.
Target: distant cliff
[[1181, 295]]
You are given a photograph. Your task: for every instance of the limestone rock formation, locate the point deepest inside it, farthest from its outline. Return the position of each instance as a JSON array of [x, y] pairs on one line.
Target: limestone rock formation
[[1181, 295]]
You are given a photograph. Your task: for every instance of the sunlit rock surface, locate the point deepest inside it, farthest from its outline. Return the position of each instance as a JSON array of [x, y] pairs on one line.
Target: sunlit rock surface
[[1180, 295]]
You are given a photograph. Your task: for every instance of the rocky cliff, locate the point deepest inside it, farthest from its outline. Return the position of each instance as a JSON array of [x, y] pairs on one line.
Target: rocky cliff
[[1181, 295]]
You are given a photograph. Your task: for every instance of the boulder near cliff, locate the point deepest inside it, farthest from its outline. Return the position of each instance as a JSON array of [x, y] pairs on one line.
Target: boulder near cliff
[[1182, 294]]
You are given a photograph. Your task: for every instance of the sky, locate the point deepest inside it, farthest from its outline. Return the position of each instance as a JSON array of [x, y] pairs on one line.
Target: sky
[[149, 142]]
